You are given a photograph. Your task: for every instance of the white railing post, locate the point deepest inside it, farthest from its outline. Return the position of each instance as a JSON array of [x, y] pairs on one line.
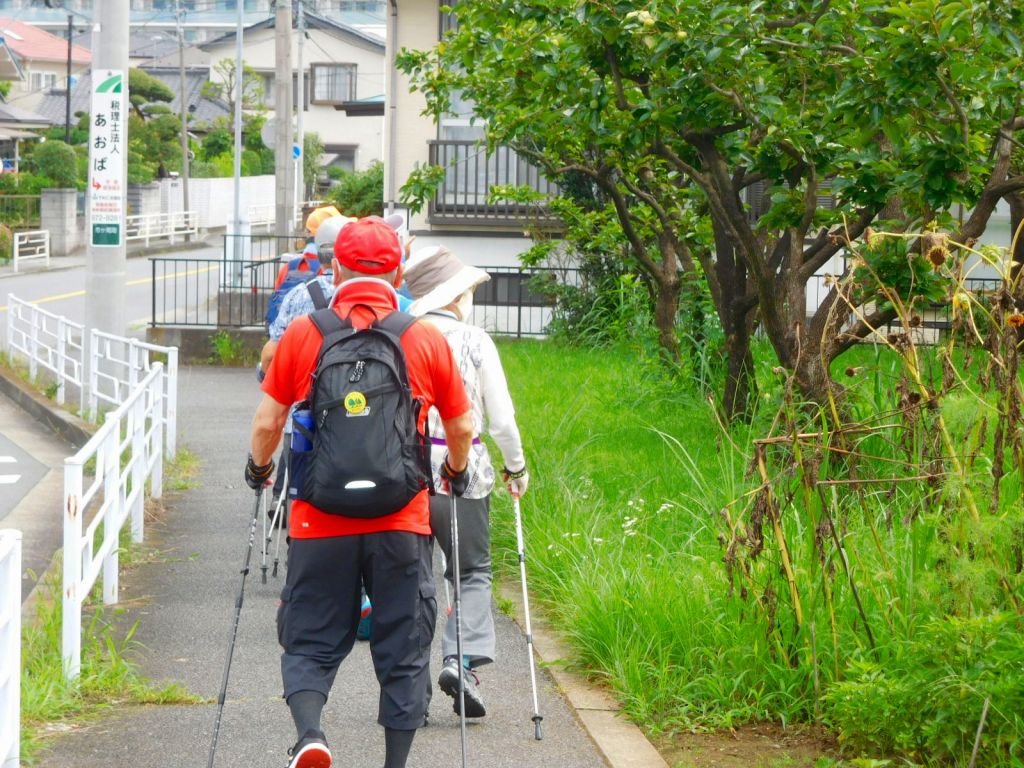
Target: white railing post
[[33, 345], [171, 403], [94, 361], [156, 481], [9, 331], [16, 251], [71, 631], [113, 494], [10, 648], [62, 330], [46, 246], [133, 364], [140, 461]]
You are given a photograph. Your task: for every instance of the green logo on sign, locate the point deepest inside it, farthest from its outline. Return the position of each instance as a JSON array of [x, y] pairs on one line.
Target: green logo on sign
[[110, 85], [106, 234]]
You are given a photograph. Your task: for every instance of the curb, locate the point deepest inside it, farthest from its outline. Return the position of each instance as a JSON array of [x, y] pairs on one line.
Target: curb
[[620, 742], [76, 261], [64, 425]]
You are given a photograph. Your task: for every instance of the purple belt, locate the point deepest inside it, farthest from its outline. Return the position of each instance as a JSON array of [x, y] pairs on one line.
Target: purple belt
[[439, 441]]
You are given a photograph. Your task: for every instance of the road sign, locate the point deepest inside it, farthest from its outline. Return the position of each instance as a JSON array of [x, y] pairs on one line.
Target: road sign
[[296, 151], [108, 143]]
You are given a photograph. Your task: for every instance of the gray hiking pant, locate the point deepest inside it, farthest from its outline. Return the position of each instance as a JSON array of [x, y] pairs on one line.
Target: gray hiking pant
[[478, 638]]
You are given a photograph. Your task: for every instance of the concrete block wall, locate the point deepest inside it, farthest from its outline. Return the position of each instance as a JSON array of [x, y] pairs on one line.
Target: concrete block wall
[[58, 210]]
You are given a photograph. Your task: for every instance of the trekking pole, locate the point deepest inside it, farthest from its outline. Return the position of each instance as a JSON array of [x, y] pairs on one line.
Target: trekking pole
[[526, 609], [265, 544], [276, 524], [458, 627], [447, 593], [234, 627]]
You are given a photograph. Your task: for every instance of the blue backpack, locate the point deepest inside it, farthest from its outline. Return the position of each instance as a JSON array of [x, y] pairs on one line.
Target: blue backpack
[[295, 276]]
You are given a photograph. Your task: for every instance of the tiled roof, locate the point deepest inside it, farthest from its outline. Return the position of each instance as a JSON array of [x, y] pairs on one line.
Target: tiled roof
[[206, 110], [34, 44]]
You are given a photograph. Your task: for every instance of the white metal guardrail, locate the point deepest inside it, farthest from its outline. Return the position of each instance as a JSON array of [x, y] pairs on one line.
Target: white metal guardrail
[[154, 226], [114, 364], [31, 246], [126, 453], [49, 341], [10, 648]]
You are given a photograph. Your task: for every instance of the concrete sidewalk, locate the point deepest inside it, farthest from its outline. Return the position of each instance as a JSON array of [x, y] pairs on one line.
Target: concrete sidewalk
[[184, 600]]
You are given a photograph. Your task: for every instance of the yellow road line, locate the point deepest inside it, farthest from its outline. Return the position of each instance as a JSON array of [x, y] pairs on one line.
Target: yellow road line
[[140, 281]]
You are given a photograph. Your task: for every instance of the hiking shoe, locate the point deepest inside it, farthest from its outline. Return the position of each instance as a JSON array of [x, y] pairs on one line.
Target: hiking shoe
[[310, 752], [448, 681]]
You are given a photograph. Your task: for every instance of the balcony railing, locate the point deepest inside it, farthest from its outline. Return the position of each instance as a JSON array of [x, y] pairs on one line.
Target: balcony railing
[[471, 172]]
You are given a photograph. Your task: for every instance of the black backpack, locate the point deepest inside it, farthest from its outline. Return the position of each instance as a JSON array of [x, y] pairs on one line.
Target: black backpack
[[367, 458]]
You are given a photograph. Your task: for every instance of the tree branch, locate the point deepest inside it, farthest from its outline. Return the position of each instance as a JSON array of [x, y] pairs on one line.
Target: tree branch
[[965, 125], [792, 21]]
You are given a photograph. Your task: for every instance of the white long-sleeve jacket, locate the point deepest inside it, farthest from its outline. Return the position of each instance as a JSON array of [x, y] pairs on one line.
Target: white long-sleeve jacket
[[493, 411]]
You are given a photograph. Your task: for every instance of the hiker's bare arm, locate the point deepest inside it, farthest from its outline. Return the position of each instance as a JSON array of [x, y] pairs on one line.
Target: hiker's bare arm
[[267, 354], [266, 429], [458, 434]]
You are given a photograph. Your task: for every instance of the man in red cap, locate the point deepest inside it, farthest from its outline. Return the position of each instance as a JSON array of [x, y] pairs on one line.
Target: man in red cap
[[331, 555]]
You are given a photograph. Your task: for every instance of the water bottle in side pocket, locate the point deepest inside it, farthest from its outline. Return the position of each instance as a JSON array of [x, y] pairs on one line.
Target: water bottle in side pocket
[[301, 450]]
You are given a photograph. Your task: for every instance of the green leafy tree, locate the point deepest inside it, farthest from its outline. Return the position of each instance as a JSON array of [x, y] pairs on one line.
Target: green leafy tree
[[223, 85], [312, 157], [791, 127]]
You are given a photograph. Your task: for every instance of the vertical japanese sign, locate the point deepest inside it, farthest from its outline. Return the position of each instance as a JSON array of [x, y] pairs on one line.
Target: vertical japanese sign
[[107, 147]]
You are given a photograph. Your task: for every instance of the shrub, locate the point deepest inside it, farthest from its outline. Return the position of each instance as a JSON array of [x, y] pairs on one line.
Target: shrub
[[57, 161], [926, 699], [360, 193]]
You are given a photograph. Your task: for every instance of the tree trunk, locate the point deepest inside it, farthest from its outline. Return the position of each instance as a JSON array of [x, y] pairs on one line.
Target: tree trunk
[[666, 307], [740, 385]]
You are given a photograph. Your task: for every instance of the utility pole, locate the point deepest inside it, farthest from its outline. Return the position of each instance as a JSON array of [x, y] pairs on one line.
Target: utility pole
[[284, 170], [240, 228], [300, 161], [67, 93], [183, 108], [108, 171]]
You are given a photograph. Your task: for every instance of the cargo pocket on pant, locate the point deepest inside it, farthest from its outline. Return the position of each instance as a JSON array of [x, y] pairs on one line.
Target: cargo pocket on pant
[[282, 616], [427, 614]]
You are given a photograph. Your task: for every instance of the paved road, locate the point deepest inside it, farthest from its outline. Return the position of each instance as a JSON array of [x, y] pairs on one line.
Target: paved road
[[32, 504], [19, 472], [62, 290], [184, 600]]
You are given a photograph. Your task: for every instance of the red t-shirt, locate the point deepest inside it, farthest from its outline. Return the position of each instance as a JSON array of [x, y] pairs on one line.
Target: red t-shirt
[[433, 376]]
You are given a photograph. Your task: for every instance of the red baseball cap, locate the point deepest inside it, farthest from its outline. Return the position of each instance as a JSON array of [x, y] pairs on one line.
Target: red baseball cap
[[369, 246]]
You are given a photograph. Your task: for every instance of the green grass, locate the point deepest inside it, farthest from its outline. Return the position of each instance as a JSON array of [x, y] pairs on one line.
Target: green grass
[[181, 473], [625, 529], [108, 677]]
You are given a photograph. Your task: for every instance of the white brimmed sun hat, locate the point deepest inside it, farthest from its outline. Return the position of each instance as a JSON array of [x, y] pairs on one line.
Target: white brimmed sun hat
[[435, 278]]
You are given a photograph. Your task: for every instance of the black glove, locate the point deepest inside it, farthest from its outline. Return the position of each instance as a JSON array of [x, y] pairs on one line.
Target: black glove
[[456, 481], [256, 477]]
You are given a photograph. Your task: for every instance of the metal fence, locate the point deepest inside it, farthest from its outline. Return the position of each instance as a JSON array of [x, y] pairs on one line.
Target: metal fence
[[227, 293], [20, 211], [10, 648]]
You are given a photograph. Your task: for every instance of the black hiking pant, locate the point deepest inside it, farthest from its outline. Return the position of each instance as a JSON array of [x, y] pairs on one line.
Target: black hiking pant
[[319, 614]]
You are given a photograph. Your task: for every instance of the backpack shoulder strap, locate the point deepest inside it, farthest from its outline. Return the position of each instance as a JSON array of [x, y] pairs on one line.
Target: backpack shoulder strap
[[396, 323], [316, 293], [332, 328]]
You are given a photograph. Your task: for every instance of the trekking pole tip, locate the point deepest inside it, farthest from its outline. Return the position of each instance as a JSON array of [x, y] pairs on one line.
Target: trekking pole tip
[[536, 727]]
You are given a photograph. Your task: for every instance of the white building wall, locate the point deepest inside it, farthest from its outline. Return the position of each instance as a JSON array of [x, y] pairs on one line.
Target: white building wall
[[26, 96], [333, 127]]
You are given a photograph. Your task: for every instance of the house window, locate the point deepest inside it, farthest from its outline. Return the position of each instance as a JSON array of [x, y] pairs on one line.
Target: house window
[[333, 83], [42, 81]]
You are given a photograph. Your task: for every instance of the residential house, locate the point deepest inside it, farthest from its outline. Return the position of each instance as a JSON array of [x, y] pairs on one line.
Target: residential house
[[42, 58], [342, 65], [460, 215]]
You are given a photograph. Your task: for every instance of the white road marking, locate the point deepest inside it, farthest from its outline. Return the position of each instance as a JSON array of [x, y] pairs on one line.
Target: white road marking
[[8, 460], [9, 479]]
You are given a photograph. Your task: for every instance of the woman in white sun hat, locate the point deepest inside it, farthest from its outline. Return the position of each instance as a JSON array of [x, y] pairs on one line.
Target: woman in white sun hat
[[442, 288]]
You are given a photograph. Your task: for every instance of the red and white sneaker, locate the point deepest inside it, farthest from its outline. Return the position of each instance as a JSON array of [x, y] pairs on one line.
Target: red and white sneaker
[[310, 752]]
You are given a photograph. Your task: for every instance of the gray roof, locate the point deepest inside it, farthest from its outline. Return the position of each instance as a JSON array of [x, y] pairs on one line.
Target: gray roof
[[12, 115], [206, 110], [313, 21]]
